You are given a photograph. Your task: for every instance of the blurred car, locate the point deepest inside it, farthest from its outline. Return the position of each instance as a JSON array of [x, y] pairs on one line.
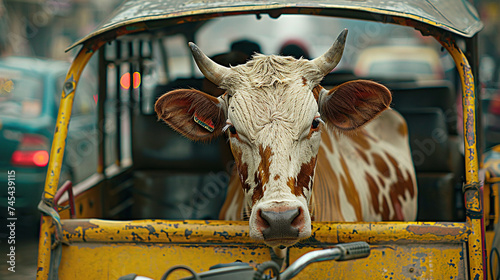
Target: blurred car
[[30, 91], [400, 61]]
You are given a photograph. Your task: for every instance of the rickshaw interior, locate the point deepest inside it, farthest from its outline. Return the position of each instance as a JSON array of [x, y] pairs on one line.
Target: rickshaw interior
[[145, 170], [158, 160]]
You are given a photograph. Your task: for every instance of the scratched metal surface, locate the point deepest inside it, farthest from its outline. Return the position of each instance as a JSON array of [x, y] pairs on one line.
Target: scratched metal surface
[[455, 16], [416, 250]]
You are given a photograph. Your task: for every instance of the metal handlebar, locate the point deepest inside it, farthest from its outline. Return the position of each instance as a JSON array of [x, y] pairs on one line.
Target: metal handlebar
[[341, 252]]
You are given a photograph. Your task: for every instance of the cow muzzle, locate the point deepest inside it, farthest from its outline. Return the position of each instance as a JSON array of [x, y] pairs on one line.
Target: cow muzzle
[[280, 225]]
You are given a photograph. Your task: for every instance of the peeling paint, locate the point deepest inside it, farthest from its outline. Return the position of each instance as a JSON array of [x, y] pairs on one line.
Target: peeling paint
[[188, 233]]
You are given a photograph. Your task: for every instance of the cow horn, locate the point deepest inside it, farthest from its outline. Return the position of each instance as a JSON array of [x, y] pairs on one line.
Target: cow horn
[[212, 70], [327, 62]]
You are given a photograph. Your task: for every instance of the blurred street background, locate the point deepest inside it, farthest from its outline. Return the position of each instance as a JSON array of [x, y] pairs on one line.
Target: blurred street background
[[35, 33], [31, 30]]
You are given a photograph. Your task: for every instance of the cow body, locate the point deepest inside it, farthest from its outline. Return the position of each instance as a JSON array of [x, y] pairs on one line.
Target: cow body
[[283, 127]]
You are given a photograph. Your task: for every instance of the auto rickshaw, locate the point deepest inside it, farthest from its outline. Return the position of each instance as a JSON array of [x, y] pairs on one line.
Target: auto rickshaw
[[110, 232]]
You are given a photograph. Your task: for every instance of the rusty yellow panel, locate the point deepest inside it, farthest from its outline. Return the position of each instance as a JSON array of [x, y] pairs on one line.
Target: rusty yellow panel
[[390, 232], [110, 261], [164, 231], [439, 261], [416, 250]]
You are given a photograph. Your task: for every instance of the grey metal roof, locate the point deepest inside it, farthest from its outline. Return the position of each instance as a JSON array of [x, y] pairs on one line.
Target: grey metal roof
[[456, 16]]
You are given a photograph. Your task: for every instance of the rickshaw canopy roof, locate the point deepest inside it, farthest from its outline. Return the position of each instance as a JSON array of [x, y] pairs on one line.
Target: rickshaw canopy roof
[[455, 16]]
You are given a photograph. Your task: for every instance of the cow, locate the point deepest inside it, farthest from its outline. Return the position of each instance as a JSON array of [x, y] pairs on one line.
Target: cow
[[301, 152]]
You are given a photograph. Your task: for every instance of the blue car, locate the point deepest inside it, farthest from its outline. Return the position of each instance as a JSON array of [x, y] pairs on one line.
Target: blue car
[[30, 91]]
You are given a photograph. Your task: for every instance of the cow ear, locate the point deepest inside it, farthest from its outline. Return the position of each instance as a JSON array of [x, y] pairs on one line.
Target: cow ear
[[193, 113], [353, 104]]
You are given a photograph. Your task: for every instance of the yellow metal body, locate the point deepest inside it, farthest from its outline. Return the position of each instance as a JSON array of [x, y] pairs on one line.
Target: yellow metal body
[[57, 153], [399, 250], [102, 249], [472, 194]]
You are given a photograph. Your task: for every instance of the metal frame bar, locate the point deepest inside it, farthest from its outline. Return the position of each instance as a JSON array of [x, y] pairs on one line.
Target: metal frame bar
[[57, 154], [118, 105], [473, 195], [236, 232]]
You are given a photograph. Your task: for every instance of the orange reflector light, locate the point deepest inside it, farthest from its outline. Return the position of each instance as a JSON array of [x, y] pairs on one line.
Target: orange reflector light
[[125, 80]]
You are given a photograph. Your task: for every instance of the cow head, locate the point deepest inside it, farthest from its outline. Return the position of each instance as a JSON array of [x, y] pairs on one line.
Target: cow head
[[273, 111]]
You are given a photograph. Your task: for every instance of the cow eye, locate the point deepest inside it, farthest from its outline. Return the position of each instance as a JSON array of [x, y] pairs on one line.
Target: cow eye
[[315, 123]]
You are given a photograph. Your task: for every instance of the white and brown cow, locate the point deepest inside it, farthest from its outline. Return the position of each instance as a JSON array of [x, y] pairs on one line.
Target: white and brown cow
[[283, 126]]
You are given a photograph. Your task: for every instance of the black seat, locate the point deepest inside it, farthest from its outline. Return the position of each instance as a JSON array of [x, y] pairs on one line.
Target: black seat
[[438, 94], [435, 156]]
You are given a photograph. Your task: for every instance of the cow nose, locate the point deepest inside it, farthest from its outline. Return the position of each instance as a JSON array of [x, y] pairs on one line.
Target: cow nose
[[278, 225]]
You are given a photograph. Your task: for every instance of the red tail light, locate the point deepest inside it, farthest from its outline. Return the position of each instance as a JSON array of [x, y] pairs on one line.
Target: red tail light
[[32, 151], [30, 158]]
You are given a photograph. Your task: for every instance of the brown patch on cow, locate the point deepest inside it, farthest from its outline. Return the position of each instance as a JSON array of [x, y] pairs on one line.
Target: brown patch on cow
[[261, 177], [304, 81], [408, 181], [381, 165], [403, 129], [360, 139], [265, 163], [242, 168], [385, 209], [380, 205], [374, 191], [327, 141], [363, 155], [316, 90], [351, 192], [303, 178], [291, 183], [381, 181], [276, 178], [326, 205], [399, 188], [234, 190], [258, 192]]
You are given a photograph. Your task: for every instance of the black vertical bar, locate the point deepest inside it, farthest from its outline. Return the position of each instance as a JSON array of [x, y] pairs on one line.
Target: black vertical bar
[[141, 72], [131, 91], [118, 144], [101, 117], [101, 122], [132, 70]]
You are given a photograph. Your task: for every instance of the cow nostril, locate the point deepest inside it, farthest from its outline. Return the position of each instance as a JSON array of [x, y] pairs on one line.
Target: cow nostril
[[298, 220], [264, 219]]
